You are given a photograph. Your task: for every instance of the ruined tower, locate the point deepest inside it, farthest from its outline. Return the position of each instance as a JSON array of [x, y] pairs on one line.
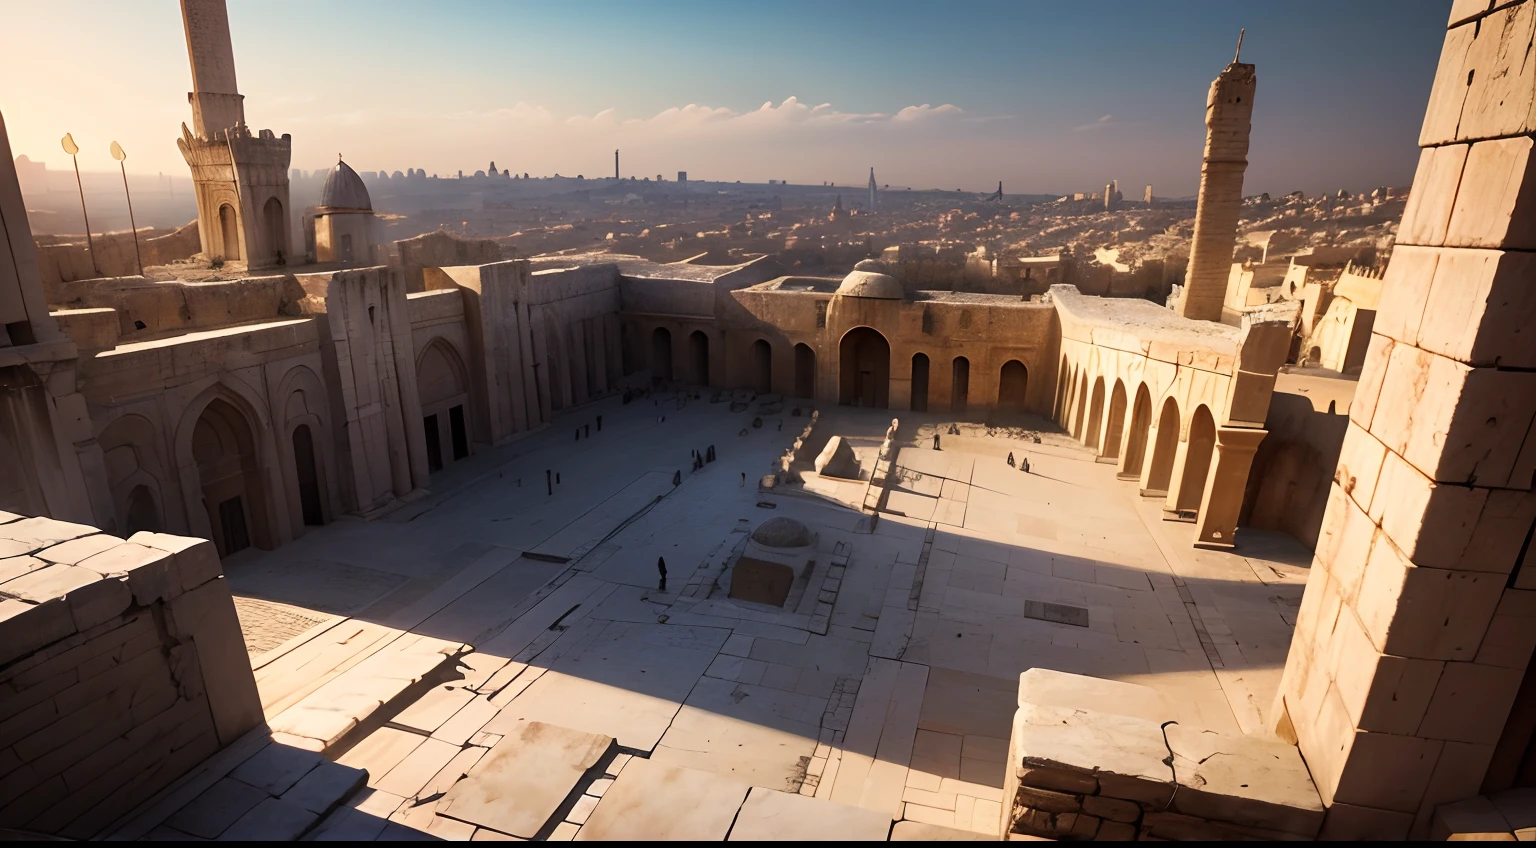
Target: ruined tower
[[872, 195], [1228, 119], [241, 179]]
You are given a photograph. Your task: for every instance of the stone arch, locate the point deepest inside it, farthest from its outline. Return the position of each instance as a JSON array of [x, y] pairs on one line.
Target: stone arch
[[227, 457], [262, 493], [141, 511], [130, 450], [661, 354], [960, 385], [865, 368], [1136, 445], [920, 369], [1012, 387], [805, 371], [442, 382], [306, 470], [1161, 468], [276, 232], [698, 357], [304, 403], [229, 232], [762, 366], [1095, 414], [1114, 427], [1081, 418], [1197, 460]]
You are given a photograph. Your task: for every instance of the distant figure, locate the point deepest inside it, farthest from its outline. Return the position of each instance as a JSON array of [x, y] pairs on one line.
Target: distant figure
[[661, 567], [661, 419], [781, 424], [1010, 460], [677, 478], [954, 429], [557, 478], [578, 434], [1025, 465], [935, 441], [549, 482], [710, 456], [743, 479], [599, 423]]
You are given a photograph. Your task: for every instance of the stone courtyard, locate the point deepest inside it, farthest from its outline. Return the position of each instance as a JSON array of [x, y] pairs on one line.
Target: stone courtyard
[[531, 609]]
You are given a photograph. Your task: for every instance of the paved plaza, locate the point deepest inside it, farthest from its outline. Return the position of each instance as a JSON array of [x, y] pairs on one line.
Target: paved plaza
[[537, 617]]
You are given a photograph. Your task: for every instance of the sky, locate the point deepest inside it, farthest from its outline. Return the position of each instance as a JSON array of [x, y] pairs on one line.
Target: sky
[[1044, 96]]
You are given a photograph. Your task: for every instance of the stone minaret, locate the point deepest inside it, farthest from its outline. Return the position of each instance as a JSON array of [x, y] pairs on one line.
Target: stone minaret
[[1228, 118], [241, 179], [872, 193]]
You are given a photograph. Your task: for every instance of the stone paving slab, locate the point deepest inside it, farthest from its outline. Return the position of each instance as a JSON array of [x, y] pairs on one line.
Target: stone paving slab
[[518, 786], [778, 816], [652, 801]]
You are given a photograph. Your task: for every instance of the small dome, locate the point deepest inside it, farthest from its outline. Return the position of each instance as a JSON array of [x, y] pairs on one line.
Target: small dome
[[870, 283], [344, 190], [782, 533], [870, 265]]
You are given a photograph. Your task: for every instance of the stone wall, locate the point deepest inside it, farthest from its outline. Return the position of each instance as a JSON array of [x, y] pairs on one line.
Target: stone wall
[[121, 668], [62, 259]]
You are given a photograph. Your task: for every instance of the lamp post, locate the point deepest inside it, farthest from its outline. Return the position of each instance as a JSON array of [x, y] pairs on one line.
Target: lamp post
[[119, 155], [68, 141]]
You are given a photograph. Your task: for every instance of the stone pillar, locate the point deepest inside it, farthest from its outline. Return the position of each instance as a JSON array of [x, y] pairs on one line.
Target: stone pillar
[[216, 100], [1228, 116], [1419, 614], [1225, 484]]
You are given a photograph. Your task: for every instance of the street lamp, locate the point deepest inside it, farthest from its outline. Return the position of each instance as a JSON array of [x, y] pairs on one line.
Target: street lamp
[[119, 155], [68, 141]]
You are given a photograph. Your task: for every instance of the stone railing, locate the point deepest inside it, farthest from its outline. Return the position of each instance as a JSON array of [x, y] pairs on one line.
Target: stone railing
[[121, 668]]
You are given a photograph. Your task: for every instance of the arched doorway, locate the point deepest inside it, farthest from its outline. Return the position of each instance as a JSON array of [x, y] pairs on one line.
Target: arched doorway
[[1141, 422], [960, 385], [866, 369], [698, 357], [143, 513], [1080, 421], [1162, 452], [442, 384], [805, 371], [661, 354], [1114, 428], [277, 236], [1197, 461], [1012, 383], [1063, 392], [224, 447], [229, 233], [762, 366], [308, 476], [1095, 414], [919, 382]]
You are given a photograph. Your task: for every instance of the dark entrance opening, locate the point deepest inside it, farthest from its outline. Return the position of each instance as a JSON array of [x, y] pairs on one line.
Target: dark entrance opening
[[458, 432], [309, 478], [434, 444]]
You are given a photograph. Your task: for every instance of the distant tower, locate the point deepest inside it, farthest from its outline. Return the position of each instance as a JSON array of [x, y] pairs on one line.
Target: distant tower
[[492, 169], [872, 194], [615, 164], [241, 179], [1228, 120], [1147, 198], [1109, 197]]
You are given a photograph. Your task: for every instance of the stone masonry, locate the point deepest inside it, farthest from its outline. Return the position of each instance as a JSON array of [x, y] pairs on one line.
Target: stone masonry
[[1228, 118], [1419, 615], [121, 668]]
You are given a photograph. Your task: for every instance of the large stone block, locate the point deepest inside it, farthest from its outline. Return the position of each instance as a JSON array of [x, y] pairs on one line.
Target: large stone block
[[206, 616], [197, 561], [1344, 544], [1404, 288], [25, 626], [1450, 88], [1471, 703], [1431, 523], [1498, 73], [1480, 308], [1426, 613], [151, 572], [1385, 771], [1383, 694], [1347, 822], [1362, 410], [1495, 202], [1427, 215], [837, 460], [1243, 780]]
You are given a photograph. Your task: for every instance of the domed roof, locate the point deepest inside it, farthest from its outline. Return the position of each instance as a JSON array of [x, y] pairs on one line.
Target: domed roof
[[866, 280], [344, 189], [782, 533]]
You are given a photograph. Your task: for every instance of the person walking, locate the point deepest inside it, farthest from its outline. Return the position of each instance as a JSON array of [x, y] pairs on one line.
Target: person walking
[[661, 567]]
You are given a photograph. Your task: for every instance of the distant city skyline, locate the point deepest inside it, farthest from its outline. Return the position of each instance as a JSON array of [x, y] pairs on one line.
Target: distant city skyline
[[1045, 97]]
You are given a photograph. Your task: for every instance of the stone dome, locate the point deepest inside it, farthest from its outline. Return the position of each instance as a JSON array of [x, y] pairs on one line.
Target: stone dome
[[866, 280], [782, 533], [344, 190]]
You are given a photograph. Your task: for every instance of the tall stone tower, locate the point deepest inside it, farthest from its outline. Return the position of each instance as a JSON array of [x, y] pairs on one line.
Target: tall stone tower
[[241, 179], [1228, 119], [873, 196]]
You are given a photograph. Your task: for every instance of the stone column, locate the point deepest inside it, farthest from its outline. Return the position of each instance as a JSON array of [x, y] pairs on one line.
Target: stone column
[[1228, 118], [1225, 484], [1419, 615]]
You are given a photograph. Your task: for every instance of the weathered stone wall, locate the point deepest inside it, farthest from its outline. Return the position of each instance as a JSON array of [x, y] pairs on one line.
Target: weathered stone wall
[[65, 261], [121, 667], [1419, 616]]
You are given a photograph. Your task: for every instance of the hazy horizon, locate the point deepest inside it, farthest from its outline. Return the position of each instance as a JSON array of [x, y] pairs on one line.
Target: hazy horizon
[[1044, 98]]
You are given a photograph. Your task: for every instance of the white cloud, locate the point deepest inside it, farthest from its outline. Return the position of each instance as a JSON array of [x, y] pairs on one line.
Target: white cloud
[[1104, 122]]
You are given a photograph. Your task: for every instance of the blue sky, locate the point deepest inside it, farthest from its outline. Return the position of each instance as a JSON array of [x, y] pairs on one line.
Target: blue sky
[[1046, 96]]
